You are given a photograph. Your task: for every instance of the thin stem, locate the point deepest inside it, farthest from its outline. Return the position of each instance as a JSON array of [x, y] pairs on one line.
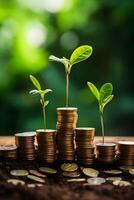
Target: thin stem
[[102, 125], [67, 88], [44, 117]]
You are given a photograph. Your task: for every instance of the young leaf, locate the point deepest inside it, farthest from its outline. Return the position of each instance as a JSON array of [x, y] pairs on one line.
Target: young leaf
[[35, 82], [80, 54], [44, 92], [56, 59], [46, 103], [107, 100], [94, 90], [105, 91], [32, 92]]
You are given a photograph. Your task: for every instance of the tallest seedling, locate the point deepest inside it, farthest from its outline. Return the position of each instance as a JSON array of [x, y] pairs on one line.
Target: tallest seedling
[[79, 54]]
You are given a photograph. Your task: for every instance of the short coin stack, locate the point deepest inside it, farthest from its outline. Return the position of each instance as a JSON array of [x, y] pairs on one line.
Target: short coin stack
[[66, 124], [126, 152], [46, 140], [25, 144], [8, 151], [84, 145], [106, 152]]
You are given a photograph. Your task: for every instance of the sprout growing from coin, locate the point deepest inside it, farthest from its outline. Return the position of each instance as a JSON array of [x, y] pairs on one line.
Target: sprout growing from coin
[[79, 54], [104, 96], [42, 93]]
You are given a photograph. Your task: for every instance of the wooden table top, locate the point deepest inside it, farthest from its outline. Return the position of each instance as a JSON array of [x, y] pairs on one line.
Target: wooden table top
[[7, 140]]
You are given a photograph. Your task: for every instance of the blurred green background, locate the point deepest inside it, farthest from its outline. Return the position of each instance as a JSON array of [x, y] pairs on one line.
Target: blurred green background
[[31, 30]]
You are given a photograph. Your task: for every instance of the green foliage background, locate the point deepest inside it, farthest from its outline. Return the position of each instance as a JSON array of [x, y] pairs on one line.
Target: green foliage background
[[31, 30]]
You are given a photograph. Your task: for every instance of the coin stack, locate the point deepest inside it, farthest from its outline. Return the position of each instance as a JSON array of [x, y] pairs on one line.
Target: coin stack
[[46, 140], [25, 144], [84, 145], [126, 152], [106, 152], [8, 151], [66, 124]]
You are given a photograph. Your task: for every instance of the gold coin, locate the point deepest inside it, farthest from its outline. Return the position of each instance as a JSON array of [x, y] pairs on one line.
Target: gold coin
[[76, 180], [126, 168], [113, 178], [131, 171], [48, 170], [31, 185], [36, 173], [69, 167], [113, 171], [19, 172], [90, 172], [36, 178], [121, 183], [96, 181], [16, 181]]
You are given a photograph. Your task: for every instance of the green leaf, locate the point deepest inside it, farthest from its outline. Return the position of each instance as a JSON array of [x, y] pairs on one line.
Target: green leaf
[[46, 103], [94, 90], [107, 100], [35, 82], [44, 92], [56, 59], [80, 54], [105, 91], [33, 92]]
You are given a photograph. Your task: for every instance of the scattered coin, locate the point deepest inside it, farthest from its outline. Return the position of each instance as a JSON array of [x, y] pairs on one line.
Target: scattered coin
[[39, 184], [48, 170], [111, 179], [31, 185], [126, 168], [113, 171], [96, 181], [90, 172], [36, 178], [131, 171], [16, 181], [121, 183], [36, 173], [69, 167], [76, 180], [19, 172], [71, 174]]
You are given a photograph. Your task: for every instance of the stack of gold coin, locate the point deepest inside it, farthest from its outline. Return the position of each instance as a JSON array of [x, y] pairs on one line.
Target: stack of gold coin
[[8, 151], [84, 145], [106, 152], [46, 140], [126, 152], [25, 144], [66, 123]]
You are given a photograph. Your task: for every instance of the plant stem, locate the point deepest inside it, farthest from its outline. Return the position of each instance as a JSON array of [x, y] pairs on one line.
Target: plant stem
[[44, 117], [67, 88], [102, 125]]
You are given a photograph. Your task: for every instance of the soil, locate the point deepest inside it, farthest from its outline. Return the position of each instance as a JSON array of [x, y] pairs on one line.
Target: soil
[[56, 187]]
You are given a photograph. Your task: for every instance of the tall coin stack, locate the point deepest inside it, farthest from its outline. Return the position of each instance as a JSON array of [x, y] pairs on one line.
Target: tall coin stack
[[84, 145], [25, 143], [106, 152], [46, 140], [126, 153], [66, 124]]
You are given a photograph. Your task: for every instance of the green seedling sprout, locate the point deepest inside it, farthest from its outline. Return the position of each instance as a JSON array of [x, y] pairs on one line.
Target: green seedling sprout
[[79, 54], [104, 96], [42, 93]]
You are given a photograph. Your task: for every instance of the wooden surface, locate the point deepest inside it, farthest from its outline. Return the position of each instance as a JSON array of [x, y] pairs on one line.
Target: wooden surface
[[7, 140]]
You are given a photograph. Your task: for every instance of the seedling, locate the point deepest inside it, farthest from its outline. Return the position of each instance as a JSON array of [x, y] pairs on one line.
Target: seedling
[[79, 54], [104, 96], [42, 93]]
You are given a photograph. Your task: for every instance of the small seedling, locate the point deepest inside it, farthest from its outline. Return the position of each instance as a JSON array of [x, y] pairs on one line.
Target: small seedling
[[79, 54], [42, 93], [104, 96]]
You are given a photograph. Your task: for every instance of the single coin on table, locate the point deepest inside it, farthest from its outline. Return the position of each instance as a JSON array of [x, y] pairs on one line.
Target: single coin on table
[[69, 167], [76, 180], [121, 183], [90, 172], [113, 171], [131, 171], [36, 173], [71, 174], [36, 178], [16, 181], [48, 170], [96, 181], [19, 172], [113, 178]]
